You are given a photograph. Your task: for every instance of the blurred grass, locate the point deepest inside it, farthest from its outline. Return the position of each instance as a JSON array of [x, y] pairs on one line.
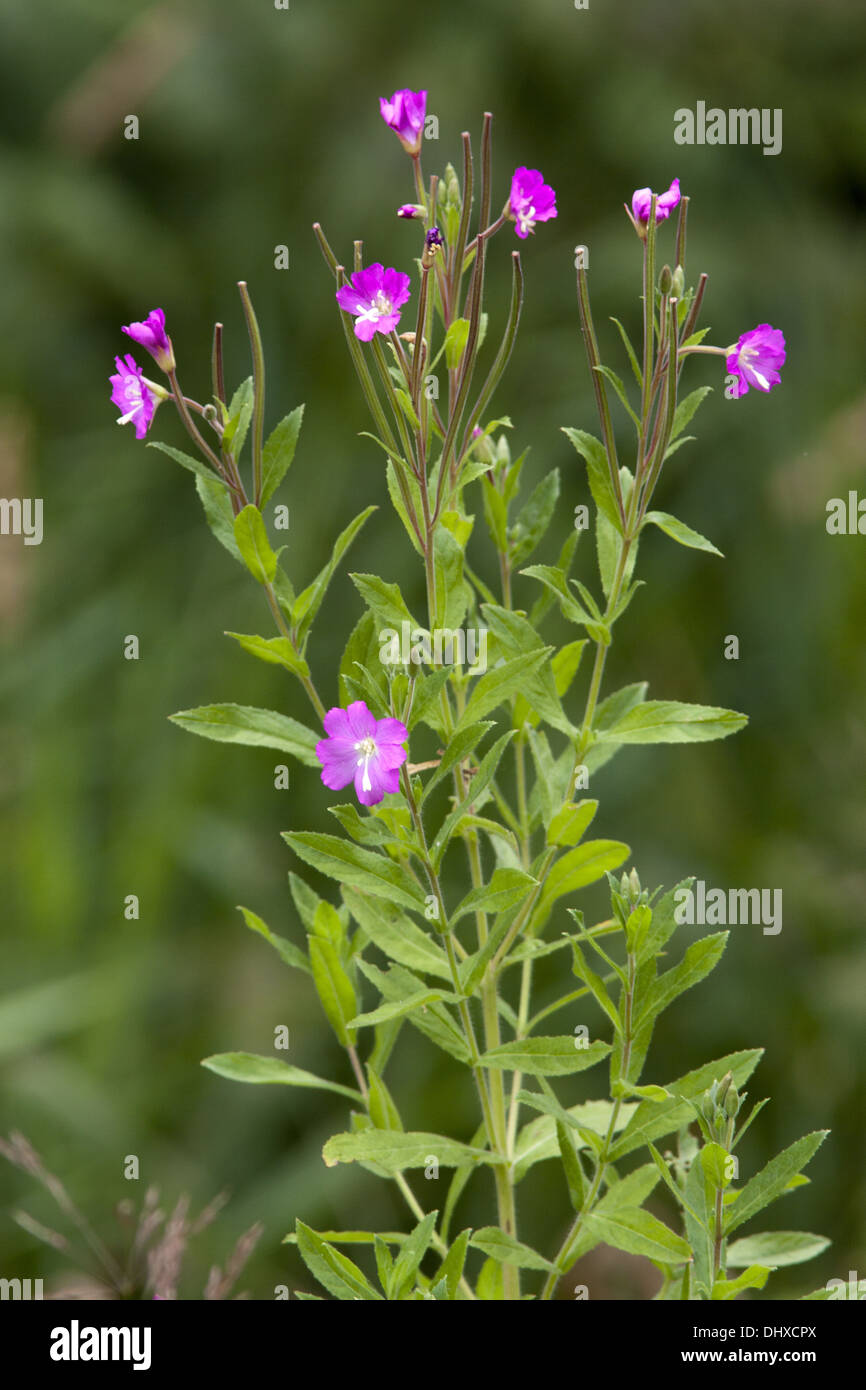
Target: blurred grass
[[253, 124]]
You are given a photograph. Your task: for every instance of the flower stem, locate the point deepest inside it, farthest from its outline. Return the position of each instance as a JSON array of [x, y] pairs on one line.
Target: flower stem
[[258, 389]]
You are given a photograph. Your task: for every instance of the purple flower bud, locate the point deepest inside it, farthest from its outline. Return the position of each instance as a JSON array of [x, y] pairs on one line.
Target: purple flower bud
[[151, 335], [134, 396], [531, 201], [374, 297], [362, 749], [665, 203], [404, 113], [755, 359], [411, 210]]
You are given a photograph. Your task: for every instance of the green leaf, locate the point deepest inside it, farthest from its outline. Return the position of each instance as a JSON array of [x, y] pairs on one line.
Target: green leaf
[[490, 1285], [620, 390], [651, 1120], [395, 1151], [383, 1111], [455, 342], [775, 1249], [593, 453], [399, 1007], [360, 868], [680, 532], [269, 1071], [396, 497], [279, 451], [755, 1277], [584, 864], [257, 728], [477, 786], [773, 1179], [412, 1252], [384, 600], [286, 950], [584, 972], [203, 470], [276, 650], [686, 409], [460, 745], [240, 412], [497, 686], [506, 1250], [309, 602], [534, 517], [571, 1164], [669, 721], [452, 594], [590, 1121], [506, 887], [435, 1022], [254, 546], [334, 988], [451, 1268], [632, 355], [558, 1056], [639, 1233], [556, 582], [700, 958], [396, 934], [218, 513], [334, 1271]]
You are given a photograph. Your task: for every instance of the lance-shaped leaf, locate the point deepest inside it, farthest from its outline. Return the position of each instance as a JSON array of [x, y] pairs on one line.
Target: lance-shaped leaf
[[592, 452], [434, 1021], [334, 988], [257, 728], [218, 513], [497, 685], [773, 1179], [755, 1277], [309, 601], [334, 1270], [360, 868], [584, 864], [534, 518], [669, 721], [279, 451], [679, 532], [451, 1268], [639, 1233], [276, 650], [194, 465], [700, 958], [557, 1056], [384, 601], [252, 542], [270, 1071], [240, 412], [506, 1250], [556, 582], [686, 409], [399, 1007], [475, 791], [775, 1249], [286, 950], [506, 887], [410, 1255], [451, 592], [396, 934], [395, 1151]]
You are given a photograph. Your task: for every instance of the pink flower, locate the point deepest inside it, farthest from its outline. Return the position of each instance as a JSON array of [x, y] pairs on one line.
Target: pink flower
[[665, 203], [374, 297], [404, 113], [531, 201], [361, 748], [756, 357], [133, 395], [151, 335]]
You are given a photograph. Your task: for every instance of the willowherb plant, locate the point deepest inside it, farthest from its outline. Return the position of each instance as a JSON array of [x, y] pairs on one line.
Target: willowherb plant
[[500, 754]]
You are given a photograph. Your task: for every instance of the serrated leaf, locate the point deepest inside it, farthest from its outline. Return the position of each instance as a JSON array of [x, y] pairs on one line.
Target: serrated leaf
[[651, 1120], [680, 532], [334, 988], [506, 1250], [639, 1233], [279, 451], [585, 864], [506, 887], [188, 461], [700, 958], [255, 548], [214, 498], [686, 409], [451, 1268], [593, 453], [669, 721], [270, 1071], [334, 1270], [555, 1056], [497, 686], [775, 1249], [276, 650], [455, 342], [286, 950], [395, 1151], [396, 934], [360, 868], [256, 728], [755, 1277], [534, 517], [773, 1179], [398, 1008]]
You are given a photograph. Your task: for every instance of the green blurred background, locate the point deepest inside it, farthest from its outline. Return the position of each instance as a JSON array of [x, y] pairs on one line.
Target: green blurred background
[[254, 122]]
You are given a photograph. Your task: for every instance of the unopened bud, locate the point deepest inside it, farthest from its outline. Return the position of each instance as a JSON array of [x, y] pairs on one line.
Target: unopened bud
[[432, 242], [411, 211], [732, 1102], [665, 280], [723, 1087], [678, 282]]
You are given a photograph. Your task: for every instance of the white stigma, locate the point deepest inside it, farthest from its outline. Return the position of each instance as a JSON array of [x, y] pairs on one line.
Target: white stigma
[[367, 748]]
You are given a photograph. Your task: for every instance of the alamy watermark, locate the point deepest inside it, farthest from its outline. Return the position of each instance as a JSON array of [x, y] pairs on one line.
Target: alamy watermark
[[736, 126], [22, 516], [715, 907], [444, 646]]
